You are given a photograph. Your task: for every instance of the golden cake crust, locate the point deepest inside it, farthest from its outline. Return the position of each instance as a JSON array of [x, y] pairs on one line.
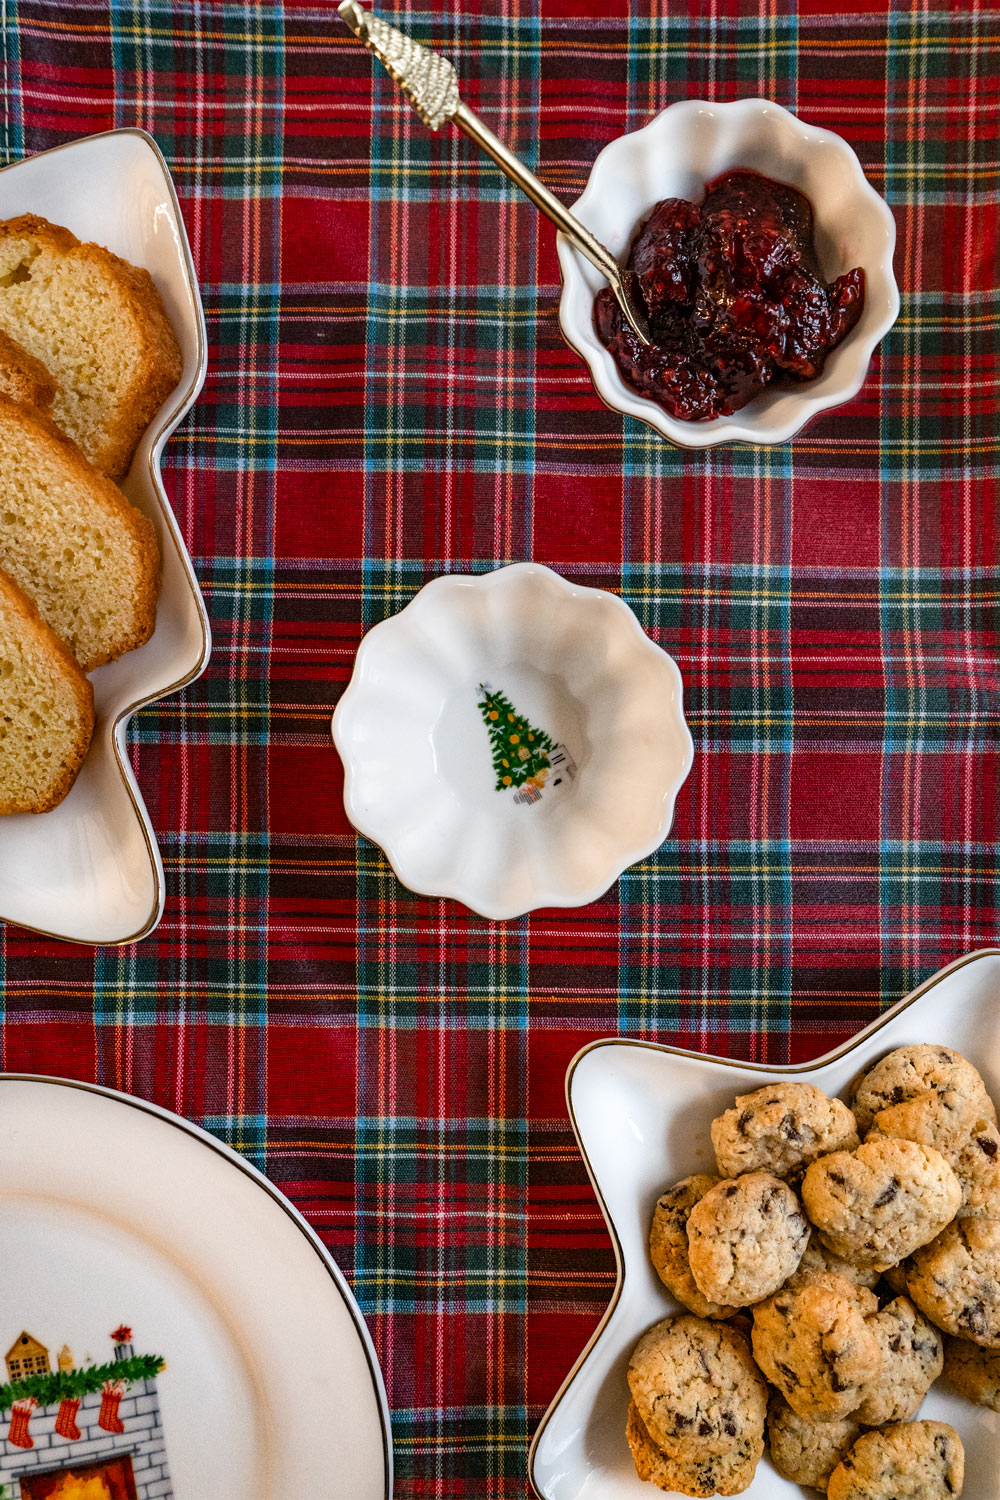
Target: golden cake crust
[[143, 339], [120, 587], [31, 649]]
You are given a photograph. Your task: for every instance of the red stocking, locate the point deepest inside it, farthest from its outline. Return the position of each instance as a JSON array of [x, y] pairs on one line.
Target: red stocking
[[66, 1420], [112, 1392], [20, 1416]]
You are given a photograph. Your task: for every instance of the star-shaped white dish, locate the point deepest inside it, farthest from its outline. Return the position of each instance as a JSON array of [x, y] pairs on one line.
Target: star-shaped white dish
[[641, 1113]]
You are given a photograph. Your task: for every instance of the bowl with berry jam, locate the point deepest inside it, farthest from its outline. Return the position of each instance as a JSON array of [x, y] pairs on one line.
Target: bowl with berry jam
[[764, 258]]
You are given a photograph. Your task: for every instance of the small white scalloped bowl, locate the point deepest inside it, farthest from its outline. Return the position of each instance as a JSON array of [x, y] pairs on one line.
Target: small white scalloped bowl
[[675, 156], [419, 777]]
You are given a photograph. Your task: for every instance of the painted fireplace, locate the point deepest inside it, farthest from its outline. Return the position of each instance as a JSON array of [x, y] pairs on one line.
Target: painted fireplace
[[115, 1475], [82, 1433]]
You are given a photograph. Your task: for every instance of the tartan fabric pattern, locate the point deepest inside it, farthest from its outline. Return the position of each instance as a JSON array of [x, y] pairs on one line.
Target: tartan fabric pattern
[[388, 399]]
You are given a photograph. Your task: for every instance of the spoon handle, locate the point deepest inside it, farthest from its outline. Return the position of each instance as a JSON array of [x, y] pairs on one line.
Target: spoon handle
[[577, 233], [431, 84]]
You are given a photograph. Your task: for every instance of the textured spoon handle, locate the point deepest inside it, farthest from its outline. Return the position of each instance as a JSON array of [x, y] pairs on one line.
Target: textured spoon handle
[[431, 84], [428, 80]]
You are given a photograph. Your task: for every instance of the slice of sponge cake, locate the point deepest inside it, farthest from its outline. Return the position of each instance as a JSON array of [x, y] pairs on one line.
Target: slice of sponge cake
[[22, 376], [70, 539], [46, 709], [98, 326]]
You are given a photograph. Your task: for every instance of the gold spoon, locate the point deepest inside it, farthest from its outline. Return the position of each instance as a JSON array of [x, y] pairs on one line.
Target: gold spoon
[[431, 84]]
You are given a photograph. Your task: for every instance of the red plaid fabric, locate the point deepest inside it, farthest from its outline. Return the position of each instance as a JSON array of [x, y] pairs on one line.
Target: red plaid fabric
[[388, 399]]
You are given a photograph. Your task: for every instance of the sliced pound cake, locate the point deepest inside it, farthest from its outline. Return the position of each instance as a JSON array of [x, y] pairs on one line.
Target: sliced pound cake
[[98, 326], [23, 377], [46, 709], [70, 539]]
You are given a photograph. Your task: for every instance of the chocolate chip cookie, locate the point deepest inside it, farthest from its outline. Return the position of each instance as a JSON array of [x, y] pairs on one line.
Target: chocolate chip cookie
[[818, 1258], [726, 1473], [668, 1244], [697, 1389], [780, 1129], [974, 1372], [877, 1204], [959, 1127], [912, 1358], [955, 1280], [907, 1461], [813, 1341], [895, 1278], [745, 1238], [915, 1070], [803, 1449]]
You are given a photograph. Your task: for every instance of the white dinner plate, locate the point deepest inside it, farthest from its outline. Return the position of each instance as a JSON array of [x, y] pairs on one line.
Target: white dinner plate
[[641, 1113], [90, 871], [116, 1216]]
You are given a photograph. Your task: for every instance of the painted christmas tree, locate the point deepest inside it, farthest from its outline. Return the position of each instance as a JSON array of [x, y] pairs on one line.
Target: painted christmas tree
[[518, 748]]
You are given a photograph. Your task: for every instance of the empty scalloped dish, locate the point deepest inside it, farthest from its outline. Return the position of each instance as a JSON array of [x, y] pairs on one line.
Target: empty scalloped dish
[[512, 740]]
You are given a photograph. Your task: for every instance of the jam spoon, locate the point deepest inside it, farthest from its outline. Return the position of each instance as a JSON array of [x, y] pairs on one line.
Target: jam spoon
[[431, 84]]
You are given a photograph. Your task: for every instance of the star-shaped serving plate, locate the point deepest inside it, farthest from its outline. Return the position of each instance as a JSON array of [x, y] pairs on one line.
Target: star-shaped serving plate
[[641, 1113]]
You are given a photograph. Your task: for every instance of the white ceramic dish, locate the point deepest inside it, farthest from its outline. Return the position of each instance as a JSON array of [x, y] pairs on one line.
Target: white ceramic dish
[[114, 1211], [641, 1115], [674, 156], [90, 870], [577, 665]]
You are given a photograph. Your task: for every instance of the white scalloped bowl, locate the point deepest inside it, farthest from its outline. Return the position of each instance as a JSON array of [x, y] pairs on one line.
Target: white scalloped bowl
[[419, 774], [675, 156]]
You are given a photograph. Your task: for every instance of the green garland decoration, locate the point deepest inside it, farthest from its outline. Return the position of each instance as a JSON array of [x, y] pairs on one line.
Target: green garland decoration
[[73, 1385]]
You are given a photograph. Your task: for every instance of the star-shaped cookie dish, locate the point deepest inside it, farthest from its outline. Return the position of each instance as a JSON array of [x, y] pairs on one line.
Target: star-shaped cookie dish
[[641, 1113]]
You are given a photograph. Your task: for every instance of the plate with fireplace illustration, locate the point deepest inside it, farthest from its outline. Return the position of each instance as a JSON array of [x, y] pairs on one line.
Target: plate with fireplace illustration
[[172, 1329], [512, 740]]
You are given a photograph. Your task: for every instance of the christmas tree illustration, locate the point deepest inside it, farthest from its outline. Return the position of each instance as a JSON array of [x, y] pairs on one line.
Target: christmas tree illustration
[[518, 748]]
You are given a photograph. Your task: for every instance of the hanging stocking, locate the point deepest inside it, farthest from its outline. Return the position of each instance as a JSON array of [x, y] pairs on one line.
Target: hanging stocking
[[112, 1392], [20, 1416], [66, 1420]]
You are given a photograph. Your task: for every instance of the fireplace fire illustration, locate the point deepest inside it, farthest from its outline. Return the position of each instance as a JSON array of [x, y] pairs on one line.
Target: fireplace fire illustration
[[90, 1432]]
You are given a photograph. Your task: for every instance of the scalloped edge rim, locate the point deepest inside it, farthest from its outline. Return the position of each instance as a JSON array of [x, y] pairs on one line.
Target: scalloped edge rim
[[780, 1070], [169, 419], [582, 896], [607, 382]]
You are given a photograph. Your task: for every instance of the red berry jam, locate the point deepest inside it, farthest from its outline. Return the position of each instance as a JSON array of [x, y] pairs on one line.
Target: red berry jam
[[735, 299]]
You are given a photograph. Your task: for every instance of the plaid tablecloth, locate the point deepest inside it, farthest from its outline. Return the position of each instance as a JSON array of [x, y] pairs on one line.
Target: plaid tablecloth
[[388, 399]]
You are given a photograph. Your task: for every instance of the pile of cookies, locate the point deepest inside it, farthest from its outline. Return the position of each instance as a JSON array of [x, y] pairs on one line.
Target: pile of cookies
[[841, 1261]]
